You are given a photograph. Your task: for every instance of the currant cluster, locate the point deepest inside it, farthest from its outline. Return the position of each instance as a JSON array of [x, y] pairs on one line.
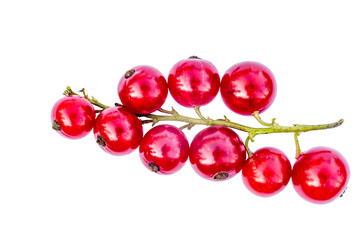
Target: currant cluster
[[216, 153]]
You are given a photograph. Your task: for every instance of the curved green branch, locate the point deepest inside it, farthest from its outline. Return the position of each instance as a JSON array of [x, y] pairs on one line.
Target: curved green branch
[[190, 122], [269, 128]]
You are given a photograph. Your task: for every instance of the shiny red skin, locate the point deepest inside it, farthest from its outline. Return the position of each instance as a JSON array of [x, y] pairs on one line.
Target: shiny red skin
[[120, 129], [76, 116], [267, 172], [320, 175], [215, 150], [145, 91], [248, 87], [193, 82], [166, 146]]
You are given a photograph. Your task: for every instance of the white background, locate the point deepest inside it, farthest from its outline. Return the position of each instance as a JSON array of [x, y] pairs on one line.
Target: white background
[[55, 188]]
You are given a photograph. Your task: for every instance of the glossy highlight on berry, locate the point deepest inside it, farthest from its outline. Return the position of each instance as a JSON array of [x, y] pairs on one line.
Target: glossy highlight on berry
[[164, 149], [266, 172], [73, 117], [118, 131], [143, 89], [320, 175], [217, 153], [247, 87], [193, 82]]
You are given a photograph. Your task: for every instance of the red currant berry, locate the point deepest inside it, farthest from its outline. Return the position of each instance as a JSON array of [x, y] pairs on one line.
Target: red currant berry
[[193, 82], [118, 131], [248, 87], [73, 117], [320, 175], [217, 153], [164, 149], [143, 89], [267, 172]]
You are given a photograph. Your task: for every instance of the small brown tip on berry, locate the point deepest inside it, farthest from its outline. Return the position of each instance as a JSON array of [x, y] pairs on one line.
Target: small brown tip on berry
[[153, 167], [101, 141], [194, 57], [343, 192], [118, 105], [56, 125], [129, 73], [221, 176]]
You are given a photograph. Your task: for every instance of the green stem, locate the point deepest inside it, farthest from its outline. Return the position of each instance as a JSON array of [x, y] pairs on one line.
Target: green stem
[[256, 115], [95, 102], [272, 128], [298, 150], [197, 110], [249, 152], [267, 128], [92, 100]]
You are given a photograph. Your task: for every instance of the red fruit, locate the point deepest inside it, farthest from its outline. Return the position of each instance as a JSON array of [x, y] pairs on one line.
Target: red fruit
[[164, 149], [320, 175], [217, 153], [267, 172], [118, 131], [73, 117], [248, 87], [143, 89], [193, 82]]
